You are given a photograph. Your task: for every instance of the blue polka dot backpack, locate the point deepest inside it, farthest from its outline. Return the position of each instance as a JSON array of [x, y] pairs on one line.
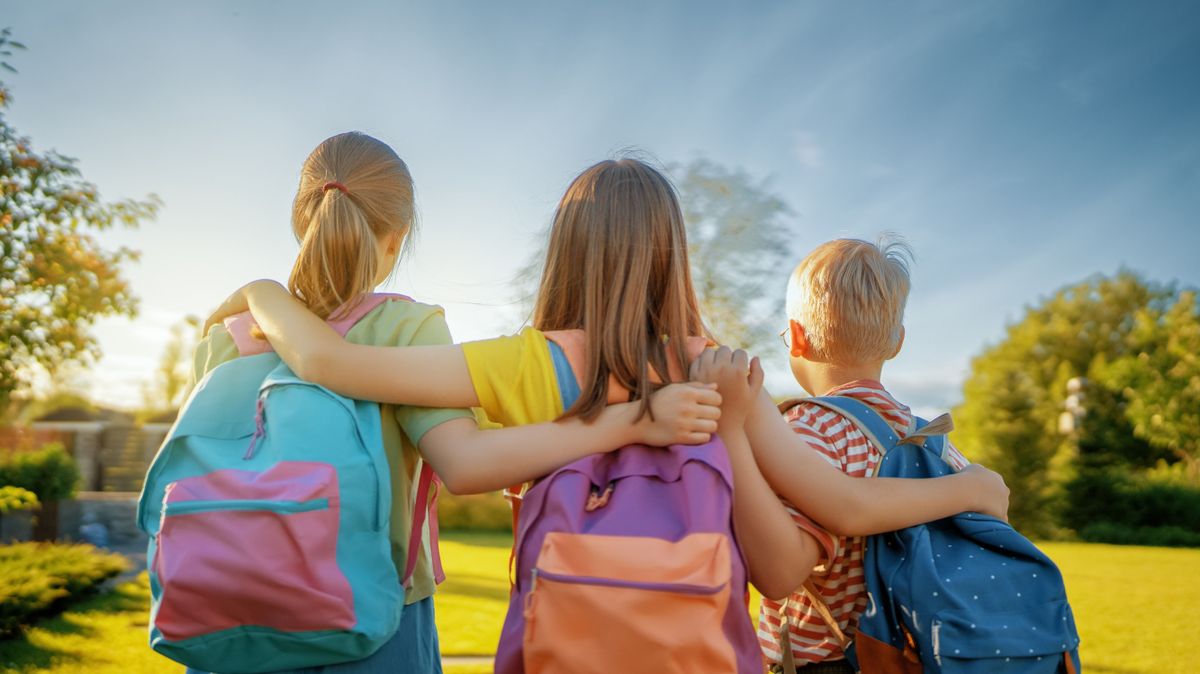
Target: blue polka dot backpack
[[962, 595]]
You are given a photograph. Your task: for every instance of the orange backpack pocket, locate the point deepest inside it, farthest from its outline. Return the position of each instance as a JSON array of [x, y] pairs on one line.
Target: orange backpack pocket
[[629, 604]]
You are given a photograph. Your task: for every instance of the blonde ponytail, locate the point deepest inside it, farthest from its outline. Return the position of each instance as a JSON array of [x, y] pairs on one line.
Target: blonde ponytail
[[354, 191]]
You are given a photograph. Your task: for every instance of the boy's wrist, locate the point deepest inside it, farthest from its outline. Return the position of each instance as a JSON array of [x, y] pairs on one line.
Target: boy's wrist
[[972, 496]]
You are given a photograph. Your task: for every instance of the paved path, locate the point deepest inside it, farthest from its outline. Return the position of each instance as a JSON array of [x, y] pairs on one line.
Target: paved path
[[467, 660]]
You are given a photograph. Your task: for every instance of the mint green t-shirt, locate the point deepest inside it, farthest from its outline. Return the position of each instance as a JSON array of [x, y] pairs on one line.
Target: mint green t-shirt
[[393, 323]]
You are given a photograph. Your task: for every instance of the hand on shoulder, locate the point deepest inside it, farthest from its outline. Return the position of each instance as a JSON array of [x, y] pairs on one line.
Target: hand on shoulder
[[738, 378], [238, 302]]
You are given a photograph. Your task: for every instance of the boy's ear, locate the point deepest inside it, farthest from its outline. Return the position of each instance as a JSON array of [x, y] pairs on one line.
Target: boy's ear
[[799, 340], [899, 344]]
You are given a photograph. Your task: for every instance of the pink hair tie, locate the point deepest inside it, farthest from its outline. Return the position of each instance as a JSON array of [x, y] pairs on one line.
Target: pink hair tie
[[335, 185]]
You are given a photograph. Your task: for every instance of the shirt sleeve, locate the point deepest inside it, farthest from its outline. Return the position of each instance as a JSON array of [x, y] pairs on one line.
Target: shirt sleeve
[[827, 541], [824, 539], [216, 348], [417, 421], [954, 457], [514, 378]]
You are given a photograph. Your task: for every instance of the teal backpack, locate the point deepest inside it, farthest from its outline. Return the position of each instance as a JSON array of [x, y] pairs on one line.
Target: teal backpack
[[268, 511]]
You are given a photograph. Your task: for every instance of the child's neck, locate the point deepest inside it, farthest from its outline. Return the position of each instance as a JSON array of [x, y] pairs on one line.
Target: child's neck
[[825, 377]]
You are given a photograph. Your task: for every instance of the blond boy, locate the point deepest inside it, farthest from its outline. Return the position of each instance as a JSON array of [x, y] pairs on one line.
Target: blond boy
[[845, 305]]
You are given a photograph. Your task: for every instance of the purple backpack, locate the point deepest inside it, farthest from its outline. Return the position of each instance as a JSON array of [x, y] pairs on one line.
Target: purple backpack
[[628, 562]]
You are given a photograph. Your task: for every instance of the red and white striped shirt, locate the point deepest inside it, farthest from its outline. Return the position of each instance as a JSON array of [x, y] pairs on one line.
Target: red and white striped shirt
[[840, 581]]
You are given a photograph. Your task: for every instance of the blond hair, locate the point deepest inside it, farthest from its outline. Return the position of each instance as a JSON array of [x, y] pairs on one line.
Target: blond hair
[[849, 297], [354, 190], [617, 268]]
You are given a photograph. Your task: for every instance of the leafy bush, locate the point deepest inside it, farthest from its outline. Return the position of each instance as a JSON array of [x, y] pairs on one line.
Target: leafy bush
[[40, 578], [1120, 534], [15, 498], [50, 472], [1111, 505], [474, 512]]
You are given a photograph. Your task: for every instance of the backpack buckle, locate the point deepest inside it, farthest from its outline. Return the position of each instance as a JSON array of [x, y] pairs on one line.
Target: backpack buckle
[[597, 499]]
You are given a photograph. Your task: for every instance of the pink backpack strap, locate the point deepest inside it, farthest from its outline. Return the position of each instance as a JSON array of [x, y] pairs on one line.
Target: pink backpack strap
[[424, 505], [574, 346], [241, 326], [439, 574]]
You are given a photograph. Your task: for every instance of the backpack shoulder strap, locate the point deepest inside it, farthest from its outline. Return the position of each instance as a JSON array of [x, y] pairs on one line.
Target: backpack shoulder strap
[[865, 419], [930, 435], [359, 311], [242, 327], [424, 509], [784, 631]]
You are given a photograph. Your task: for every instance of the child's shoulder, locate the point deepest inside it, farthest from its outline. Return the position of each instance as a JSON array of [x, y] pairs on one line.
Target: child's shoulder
[[215, 348], [803, 414], [397, 320]]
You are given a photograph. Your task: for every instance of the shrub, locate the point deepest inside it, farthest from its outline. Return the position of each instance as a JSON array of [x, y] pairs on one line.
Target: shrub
[[474, 512], [1120, 534], [1111, 505], [15, 498], [50, 472], [39, 578]]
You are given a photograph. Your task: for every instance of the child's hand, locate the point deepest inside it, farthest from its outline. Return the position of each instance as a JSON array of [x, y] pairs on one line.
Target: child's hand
[[236, 303], [738, 377], [684, 414], [991, 490]]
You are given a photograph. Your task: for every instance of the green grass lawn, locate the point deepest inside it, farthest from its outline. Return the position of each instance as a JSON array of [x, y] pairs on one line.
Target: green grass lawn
[[103, 634], [1136, 609]]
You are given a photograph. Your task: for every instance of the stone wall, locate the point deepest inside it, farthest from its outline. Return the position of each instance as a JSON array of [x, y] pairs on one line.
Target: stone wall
[[115, 511]]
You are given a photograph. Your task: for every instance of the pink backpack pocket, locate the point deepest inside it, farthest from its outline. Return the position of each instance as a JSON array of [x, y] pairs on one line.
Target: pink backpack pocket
[[232, 540]]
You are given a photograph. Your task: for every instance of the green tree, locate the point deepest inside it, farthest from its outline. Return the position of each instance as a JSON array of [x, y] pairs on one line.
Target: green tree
[[1160, 379], [56, 278], [1022, 382]]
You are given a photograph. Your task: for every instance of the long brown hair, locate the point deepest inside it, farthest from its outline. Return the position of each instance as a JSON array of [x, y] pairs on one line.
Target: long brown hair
[[354, 190], [617, 268]]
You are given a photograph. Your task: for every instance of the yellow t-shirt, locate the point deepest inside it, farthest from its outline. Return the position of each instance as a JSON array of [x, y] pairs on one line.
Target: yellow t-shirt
[[517, 382], [393, 323], [514, 378]]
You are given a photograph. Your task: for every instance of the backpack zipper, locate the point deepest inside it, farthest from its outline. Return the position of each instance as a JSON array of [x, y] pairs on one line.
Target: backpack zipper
[[937, 642], [681, 588], [244, 505]]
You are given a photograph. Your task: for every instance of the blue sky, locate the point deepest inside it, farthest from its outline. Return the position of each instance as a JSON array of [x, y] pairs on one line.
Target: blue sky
[[1019, 146]]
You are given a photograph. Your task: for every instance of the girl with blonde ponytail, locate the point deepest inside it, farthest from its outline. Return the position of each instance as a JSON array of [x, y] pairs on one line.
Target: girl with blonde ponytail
[[353, 214]]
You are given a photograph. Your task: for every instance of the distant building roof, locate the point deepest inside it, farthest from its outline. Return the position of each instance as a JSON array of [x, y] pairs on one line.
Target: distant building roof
[[82, 414], [71, 414], [167, 417]]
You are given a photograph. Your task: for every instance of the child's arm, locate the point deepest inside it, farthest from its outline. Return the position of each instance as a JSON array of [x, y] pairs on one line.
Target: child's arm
[[780, 555], [429, 376], [471, 461], [849, 506]]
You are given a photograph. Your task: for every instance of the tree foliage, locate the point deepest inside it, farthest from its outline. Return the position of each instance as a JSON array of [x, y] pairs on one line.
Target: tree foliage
[[739, 246], [1160, 379], [56, 278], [1017, 391]]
